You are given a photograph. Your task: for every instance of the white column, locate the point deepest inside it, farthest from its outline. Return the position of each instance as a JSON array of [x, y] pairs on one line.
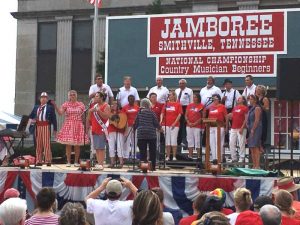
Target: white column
[[63, 60], [247, 4]]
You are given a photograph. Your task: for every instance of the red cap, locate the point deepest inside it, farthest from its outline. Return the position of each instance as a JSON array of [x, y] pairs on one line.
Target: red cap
[[11, 193], [248, 218]]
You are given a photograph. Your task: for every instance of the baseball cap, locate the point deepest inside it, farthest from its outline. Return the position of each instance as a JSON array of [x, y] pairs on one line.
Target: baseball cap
[[44, 94], [113, 188], [248, 218], [220, 193], [11, 193]]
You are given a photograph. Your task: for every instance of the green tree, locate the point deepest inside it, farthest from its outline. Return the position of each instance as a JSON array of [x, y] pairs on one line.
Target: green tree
[[155, 7]]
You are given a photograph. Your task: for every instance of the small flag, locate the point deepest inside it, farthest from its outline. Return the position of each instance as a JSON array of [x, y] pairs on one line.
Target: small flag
[[93, 2]]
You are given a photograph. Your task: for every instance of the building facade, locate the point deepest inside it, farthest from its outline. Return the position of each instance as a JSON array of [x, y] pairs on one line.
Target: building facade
[[54, 45]]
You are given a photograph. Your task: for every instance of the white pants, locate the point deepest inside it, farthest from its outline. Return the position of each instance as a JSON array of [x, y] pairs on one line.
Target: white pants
[[171, 136], [234, 135], [193, 137], [115, 138], [128, 145], [213, 141]]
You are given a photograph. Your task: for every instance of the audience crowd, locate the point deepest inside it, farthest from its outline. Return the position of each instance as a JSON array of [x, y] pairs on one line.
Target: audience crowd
[[105, 207]]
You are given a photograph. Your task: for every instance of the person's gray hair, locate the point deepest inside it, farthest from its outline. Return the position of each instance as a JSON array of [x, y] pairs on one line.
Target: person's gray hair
[[159, 78], [270, 215], [182, 80], [263, 88], [12, 211], [145, 103]]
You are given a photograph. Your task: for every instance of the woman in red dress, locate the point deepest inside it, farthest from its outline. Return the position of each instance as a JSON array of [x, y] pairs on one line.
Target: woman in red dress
[[72, 131], [219, 112], [169, 120]]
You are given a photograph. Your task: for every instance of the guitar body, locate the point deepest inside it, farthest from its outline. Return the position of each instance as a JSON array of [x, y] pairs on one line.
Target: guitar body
[[119, 120]]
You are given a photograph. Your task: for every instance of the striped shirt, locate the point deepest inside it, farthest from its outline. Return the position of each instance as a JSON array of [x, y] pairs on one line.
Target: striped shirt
[[44, 220], [146, 124], [41, 113]]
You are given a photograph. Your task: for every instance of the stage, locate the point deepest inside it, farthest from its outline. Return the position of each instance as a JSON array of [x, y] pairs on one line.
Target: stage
[[180, 186]]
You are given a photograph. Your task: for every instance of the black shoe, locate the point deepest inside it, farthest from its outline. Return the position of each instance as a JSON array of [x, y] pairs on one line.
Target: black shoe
[[39, 164], [48, 164]]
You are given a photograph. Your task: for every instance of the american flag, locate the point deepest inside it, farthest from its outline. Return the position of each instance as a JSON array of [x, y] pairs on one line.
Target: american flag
[[93, 2]]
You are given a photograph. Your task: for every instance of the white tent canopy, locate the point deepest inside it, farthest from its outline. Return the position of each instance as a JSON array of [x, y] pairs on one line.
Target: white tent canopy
[[8, 118]]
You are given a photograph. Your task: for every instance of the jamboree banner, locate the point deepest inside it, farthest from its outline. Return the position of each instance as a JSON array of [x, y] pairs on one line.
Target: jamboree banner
[[220, 44]]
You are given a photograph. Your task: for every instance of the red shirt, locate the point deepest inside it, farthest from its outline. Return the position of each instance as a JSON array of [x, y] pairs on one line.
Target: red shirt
[[131, 112], [238, 116], [296, 206], [193, 113], [157, 109], [173, 109], [226, 211], [217, 112], [188, 220], [289, 221], [96, 127]]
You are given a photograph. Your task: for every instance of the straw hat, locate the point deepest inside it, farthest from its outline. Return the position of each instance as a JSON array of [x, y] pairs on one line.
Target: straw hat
[[286, 183]]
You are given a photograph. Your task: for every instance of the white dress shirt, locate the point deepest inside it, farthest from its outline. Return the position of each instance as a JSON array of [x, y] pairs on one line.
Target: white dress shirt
[[162, 93], [249, 90], [104, 88], [186, 96], [124, 93], [206, 93], [229, 97]]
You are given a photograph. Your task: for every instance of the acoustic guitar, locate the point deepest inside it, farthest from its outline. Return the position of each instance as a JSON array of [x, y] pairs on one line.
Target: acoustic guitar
[[118, 120]]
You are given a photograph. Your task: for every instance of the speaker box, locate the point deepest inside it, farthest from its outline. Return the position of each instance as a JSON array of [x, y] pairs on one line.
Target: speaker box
[[288, 79]]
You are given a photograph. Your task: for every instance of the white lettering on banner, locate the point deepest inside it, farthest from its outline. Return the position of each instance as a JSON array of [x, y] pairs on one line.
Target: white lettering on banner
[[211, 26]]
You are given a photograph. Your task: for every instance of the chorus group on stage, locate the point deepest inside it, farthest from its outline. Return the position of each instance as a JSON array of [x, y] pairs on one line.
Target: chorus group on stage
[[172, 116]]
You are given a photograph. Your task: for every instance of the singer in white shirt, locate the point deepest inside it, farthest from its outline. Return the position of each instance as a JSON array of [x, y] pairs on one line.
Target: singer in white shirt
[[250, 87], [161, 91], [207, 92], [230, 95], [184, 97], [127, 90], [99, 86]]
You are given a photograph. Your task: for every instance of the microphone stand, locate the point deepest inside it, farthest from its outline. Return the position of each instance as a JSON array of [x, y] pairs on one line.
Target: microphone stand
[[165, 128], [199, 165], [133, 170]]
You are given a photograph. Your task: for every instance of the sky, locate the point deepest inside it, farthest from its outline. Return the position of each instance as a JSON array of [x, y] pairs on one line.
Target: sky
[[8, 55]]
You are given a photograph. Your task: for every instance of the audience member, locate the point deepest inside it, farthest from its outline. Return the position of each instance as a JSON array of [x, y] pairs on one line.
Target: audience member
[[212, 218], [248, 218], [221, 194], [11, 193], [288, 184], [44, 213], [167, 216], [242, 202], [112, 210], [146, 209], [284, 200], [211, 203], [262, 200], [197, 204], [270, 215], [72, 213], [13, 211]]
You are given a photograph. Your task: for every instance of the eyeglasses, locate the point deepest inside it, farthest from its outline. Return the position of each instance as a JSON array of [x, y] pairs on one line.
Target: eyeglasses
[[72, 94], [99, 78]]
